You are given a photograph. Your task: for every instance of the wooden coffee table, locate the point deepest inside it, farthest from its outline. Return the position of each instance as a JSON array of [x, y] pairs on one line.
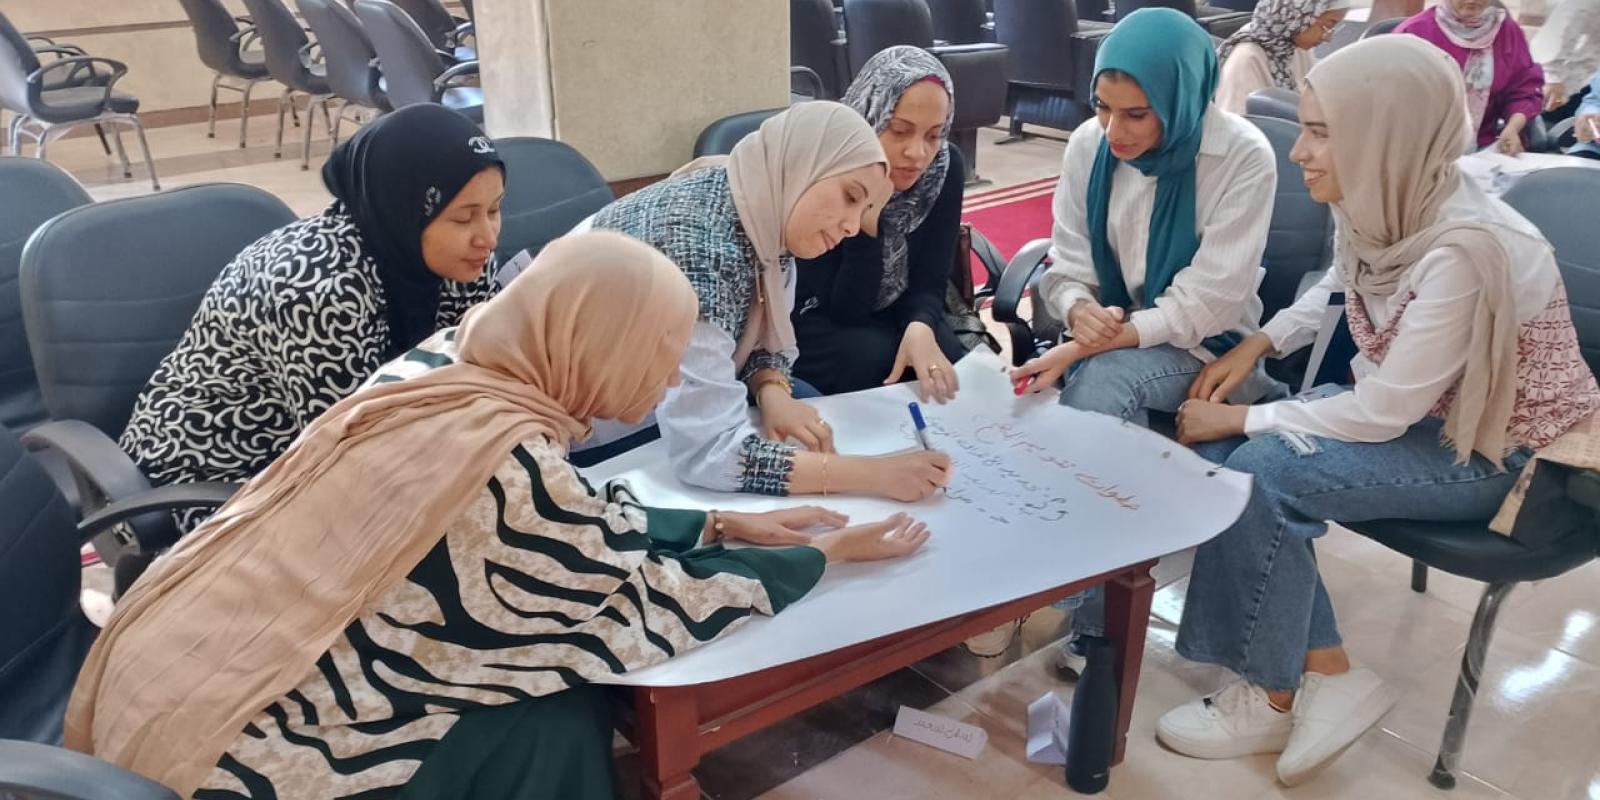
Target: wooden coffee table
[[673, 726]]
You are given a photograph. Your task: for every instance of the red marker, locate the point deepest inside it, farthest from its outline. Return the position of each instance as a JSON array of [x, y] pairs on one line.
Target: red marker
[[1025, 384]]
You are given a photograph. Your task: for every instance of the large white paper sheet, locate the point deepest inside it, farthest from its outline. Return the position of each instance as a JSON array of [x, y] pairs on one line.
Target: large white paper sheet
[[1042, 495]]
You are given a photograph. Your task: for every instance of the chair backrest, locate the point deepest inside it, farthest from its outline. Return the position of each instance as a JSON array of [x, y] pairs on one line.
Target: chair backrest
[[408, 60], [719, 137], [214, 26], [1299, 234], [346, 50], [108, 289], [1382, 27], [35, 191], [1037, 32], [1126, 7], [17, 61], [1274, 102], [874, 25], [1553, 199], [812, 30], [958, 21], [282, 38], [432, 18], [550, 188], [43, 634]]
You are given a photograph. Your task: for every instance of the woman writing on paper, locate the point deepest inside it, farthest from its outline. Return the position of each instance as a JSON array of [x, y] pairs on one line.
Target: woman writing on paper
[[803, 183], [357, 622], [1468, 363]]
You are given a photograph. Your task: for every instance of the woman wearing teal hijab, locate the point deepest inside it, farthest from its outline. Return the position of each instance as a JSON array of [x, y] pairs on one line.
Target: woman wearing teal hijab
[[1161, 217]]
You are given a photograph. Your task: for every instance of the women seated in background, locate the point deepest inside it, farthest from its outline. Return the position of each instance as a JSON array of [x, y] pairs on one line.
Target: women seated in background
[[796, 188], [1160, 222], [353, 622], [1505, 88], [1568, 45], [873, 308], [301, 317], [1586, 125], [1468, 363], [1274, 48]]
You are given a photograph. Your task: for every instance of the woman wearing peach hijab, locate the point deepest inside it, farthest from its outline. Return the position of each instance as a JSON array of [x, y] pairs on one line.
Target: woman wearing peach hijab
[[412, 600]]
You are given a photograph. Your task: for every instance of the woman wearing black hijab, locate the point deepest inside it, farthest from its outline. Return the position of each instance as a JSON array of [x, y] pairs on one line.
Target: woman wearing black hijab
[[305, 315]]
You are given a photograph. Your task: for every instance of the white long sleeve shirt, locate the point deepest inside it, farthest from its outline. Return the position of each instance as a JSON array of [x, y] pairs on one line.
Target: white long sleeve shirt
[[1427, 356], [1235, 179]]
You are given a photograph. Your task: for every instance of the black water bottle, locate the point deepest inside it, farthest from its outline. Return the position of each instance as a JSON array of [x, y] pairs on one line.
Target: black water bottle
[[1093, 734]]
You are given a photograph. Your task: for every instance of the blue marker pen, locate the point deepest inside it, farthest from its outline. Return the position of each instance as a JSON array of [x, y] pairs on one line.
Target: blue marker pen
[[922, 426]]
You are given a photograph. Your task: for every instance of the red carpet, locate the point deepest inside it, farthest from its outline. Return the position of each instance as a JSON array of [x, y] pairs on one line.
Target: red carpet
[[1010, 217]]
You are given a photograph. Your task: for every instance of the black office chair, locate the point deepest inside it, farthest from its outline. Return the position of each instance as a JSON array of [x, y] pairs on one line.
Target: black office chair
[[980, 71], [445, 31], [352, 63], [1572, 535], [98, 327], [552, 187], [44, 635], [413, 71], [816, 43], [1219, 22], [1274, 102], [292, 61], [224, 47], [1382, 27], [961, 21], [35, 192], [46, 100], [1052, 62]]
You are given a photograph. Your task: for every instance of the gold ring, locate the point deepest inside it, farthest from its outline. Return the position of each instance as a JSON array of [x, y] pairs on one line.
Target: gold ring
[[934, 368]]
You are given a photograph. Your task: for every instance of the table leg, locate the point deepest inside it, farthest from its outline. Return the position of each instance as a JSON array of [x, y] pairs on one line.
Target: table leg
[[669, 742], [1127, 619]]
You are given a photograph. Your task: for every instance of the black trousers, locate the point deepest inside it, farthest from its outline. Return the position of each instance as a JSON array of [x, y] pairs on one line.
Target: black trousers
[[848, 358]]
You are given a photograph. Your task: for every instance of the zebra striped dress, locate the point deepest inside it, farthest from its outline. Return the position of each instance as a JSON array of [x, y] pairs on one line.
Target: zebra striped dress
[[543, 584]]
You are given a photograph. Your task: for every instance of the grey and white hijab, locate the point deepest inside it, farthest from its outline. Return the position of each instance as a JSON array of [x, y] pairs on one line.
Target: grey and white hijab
[[874, 94], [1273, 26]]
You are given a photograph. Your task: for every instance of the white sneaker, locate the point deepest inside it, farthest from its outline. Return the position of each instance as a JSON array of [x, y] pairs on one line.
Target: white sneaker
[[1236, 721], [1330, 714]]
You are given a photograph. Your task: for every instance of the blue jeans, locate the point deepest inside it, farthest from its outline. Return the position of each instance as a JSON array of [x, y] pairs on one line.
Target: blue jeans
[[1256, 603], [1129, 384]]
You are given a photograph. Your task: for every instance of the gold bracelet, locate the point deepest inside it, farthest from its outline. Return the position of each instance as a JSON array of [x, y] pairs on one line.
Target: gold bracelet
[[824, 474], [788, 388]]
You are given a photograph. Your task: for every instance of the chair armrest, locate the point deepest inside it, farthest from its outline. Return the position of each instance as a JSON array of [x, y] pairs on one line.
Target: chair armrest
[[1562, 128], [244, 36], [1017, 276], [809, 81], [310, 53], [974, 47], [97, 462], [989, 256], [441, 83], [463, 30], [34, 37], [118, 69], [63, 50], [40, 770], [164, 498]]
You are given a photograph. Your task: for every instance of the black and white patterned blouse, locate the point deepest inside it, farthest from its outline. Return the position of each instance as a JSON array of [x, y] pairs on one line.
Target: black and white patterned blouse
[[294, 324], [705, 422]]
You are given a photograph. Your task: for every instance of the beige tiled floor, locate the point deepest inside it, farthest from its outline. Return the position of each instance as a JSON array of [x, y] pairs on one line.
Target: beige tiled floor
[[1535, 732]]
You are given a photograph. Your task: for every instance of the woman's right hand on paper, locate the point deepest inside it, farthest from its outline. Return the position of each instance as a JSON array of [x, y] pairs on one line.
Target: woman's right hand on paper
[[894, 537], [907, 477]]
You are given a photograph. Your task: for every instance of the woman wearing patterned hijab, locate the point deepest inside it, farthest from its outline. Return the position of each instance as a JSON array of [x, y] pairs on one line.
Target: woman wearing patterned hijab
[[1274, 48], [1505, 87], [874, 306]]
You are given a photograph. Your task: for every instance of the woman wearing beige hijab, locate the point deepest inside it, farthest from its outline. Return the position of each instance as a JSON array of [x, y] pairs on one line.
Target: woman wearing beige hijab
[[412, 600], [807, 180], [1465, 368]]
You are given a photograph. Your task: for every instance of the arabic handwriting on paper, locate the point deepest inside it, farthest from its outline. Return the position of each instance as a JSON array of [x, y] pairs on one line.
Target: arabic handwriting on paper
[[945, 730], [997, 467]]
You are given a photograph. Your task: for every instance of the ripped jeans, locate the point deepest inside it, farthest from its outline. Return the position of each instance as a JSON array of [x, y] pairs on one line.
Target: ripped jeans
[[1256, 603]]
